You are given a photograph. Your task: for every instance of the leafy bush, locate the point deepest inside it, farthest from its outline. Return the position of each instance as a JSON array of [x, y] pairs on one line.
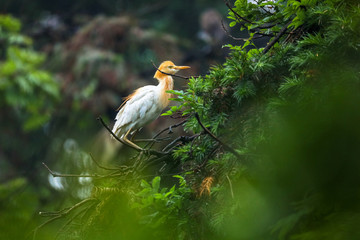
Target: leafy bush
[[283, 109], [28, 97], [159, 206], [28, 91]]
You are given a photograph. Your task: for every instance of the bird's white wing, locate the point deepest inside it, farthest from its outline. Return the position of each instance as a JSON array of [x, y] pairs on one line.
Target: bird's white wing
[[140, 109]]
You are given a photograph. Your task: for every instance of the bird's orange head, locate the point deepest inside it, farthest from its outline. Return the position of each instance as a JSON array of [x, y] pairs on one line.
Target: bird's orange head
[[168, 67]]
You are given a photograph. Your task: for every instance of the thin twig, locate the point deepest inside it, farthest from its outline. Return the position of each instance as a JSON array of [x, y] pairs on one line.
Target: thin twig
[[60, 214], [169, 148], [231, 188], [167, 129], [69, 221], [69, 209], [151, 162], [227, 32], [240, 39], [118, 172], [183, 139], [170, 128], [54, 174], [235, 13], [225, 146], [43, 224], [277, 37], [100, 166]]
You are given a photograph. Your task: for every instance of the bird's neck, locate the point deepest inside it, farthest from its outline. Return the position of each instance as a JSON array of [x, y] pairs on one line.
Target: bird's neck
[[165, 83]]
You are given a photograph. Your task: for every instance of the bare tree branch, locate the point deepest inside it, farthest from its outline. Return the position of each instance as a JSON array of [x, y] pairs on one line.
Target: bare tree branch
[[116, 172], [170, 128], [100, 166], [71, 220], [60, 214], [277, 37], [225, 146], [166, 129], [54, 174]]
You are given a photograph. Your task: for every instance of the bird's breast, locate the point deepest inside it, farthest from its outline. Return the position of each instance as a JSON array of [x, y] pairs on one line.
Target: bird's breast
[[164, 99]]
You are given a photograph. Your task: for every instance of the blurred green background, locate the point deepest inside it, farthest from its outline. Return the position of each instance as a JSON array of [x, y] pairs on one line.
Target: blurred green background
[[292, 114]]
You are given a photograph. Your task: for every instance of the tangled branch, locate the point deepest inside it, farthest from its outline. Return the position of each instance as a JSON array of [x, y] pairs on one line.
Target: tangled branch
[[60, 214], [277, 37]]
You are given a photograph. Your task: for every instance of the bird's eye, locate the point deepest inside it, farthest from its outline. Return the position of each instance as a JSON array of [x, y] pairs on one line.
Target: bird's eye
[[170, 67]]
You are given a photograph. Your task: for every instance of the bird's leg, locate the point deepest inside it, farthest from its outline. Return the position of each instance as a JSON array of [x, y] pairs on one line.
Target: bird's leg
[[130, 143], [132, 136], [152, 140], [143, 140]]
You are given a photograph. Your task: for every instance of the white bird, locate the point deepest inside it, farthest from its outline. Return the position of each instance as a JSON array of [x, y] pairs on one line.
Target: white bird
[[145, 104]]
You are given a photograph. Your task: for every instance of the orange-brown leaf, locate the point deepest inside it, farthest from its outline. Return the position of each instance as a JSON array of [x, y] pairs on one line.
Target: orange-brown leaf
[[205, 187]]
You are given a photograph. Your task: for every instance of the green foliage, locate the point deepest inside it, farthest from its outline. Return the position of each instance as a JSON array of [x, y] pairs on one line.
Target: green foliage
[[291, 113], [28, 97], [25, 88], [17, 203], [159, 206]]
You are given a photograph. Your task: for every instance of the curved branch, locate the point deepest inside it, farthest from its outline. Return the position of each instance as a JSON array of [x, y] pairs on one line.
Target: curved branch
[[100, 166], [261, 35], [277, 37], [225, 146], [54, 174], [150, 151], [115, 173]]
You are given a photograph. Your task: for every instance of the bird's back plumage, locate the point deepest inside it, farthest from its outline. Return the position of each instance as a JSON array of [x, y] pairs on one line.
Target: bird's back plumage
[[139, 109]]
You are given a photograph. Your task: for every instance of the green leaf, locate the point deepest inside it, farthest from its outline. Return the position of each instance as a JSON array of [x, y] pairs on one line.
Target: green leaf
[[9, 23], [144, 184], [156, 183], [171, 191], [158, 196], [20, 39], [8, 68], [35, 121]]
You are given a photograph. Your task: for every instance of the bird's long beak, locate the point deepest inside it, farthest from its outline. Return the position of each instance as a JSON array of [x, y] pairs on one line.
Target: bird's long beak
[[181, 67]]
